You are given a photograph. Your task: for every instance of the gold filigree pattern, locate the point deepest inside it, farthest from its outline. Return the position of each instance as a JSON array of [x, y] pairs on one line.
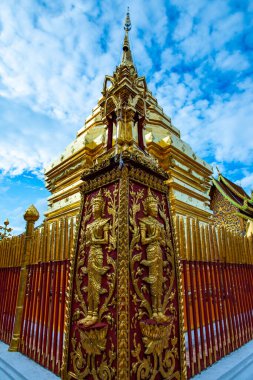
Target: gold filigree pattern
[[69, 293], [156, 310], [91, 318], [153, 237], [134, 356], [156, 336], [224, 214], [123, 279], [96, 235], [93, 341]]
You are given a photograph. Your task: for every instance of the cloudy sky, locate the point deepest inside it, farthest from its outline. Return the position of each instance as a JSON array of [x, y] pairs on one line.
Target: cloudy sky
[[195, 54]]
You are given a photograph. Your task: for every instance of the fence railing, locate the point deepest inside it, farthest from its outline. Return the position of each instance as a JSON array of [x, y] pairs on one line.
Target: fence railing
[[10, 263], [217, 274], [218, 292], [42, 330], [42, 322]]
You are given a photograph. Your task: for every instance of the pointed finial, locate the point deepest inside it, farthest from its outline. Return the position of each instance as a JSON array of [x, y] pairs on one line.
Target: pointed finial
[[31, 214], [127, 55], [128, 25]]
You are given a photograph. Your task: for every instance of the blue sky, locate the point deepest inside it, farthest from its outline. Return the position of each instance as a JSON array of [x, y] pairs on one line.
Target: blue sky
[[196, 56]]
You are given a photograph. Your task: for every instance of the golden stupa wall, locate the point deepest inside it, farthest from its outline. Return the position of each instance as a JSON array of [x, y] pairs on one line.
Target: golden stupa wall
[[189, 180]]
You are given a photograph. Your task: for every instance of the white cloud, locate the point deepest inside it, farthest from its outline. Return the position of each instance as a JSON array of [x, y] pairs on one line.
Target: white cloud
[[246, 182], [218, 167], [220, 127], [184, 27], [204, 27], [51, 66], [236, 61], [54, 58]]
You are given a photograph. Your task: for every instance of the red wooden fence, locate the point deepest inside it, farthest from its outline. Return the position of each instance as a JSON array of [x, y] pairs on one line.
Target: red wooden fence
[[43, 313], [217, 274], [9, 281], [42, 325], [10, 261], [218, 292]]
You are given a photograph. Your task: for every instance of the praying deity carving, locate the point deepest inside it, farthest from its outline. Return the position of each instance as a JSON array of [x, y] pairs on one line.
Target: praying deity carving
[[97, 235], [153, 237]]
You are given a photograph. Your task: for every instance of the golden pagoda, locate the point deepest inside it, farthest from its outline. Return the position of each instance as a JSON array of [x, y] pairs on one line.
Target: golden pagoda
[[189, 176]]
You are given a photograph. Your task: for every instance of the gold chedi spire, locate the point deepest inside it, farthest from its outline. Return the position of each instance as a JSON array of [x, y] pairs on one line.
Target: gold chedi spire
[[127, 55], [123, 105]]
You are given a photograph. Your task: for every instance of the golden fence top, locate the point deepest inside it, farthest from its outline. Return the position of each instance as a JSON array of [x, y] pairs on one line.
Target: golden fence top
[[50, 242], [197, 242], [11, 249], [202, 242]]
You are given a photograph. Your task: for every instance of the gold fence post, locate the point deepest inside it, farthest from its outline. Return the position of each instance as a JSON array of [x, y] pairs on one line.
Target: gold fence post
[[31, 216]]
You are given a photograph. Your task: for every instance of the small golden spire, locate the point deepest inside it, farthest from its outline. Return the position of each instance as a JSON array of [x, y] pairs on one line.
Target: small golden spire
[[128, 25], [31, 214], [127, 55]]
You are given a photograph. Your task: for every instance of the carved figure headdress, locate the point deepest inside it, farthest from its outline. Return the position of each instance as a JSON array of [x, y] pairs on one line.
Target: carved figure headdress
[[98, 198], [149, 200]]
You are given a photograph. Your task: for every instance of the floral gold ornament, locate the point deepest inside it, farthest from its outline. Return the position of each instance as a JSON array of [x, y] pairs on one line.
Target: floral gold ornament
[[153, 269], [93, 302], [147, 346], [123, 319], [5, 231], [94, 340], [153, 237], [97, 235]]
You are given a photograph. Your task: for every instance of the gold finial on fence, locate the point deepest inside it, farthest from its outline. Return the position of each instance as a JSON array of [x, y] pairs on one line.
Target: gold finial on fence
[[31, 214], [5, 231]]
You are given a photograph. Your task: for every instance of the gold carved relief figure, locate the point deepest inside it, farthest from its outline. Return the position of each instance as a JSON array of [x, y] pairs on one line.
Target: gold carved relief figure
[[97, 235], [151, 247], [153, 238], [93, 313]]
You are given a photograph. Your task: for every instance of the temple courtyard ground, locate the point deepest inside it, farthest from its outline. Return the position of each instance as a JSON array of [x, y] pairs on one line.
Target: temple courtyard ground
[[236, 366]]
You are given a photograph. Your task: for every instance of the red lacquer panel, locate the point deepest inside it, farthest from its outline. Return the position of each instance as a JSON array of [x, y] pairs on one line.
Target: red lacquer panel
[[93, 332], [154, 301]]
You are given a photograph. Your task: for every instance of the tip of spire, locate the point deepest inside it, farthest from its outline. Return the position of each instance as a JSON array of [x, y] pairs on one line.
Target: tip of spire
[[128, 25], [127, 55]]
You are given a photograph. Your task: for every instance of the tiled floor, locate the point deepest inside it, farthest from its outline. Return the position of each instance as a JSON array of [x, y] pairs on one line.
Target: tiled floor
[[15, 366], [236, 366]]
